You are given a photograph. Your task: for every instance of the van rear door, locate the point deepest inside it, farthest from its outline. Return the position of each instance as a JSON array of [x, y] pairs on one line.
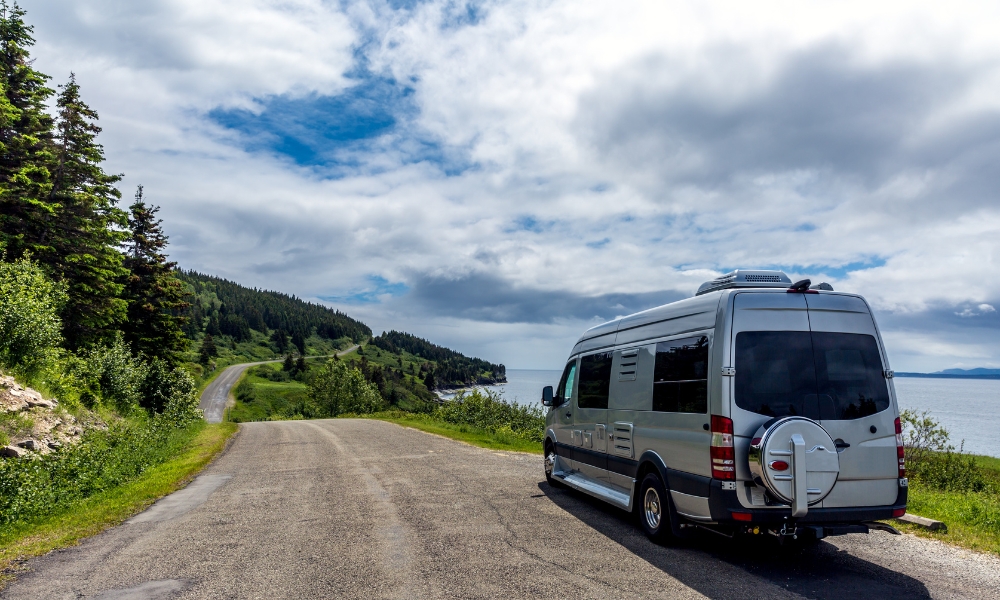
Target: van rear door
[[857, 407]]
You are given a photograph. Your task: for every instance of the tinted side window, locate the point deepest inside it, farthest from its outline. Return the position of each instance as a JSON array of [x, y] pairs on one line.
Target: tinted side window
[[595, 378], [680, 376], [565, 389], [849, 371]]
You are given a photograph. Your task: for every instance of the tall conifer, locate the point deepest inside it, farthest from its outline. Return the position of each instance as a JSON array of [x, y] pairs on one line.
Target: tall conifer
[[155, 296], [25, 140], [88, 227]]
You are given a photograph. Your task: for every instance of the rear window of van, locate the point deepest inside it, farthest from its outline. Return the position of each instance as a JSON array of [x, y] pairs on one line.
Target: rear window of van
[[819, 375]]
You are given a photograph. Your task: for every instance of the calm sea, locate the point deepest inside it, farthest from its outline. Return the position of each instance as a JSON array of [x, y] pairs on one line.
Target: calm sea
[[968, 408]]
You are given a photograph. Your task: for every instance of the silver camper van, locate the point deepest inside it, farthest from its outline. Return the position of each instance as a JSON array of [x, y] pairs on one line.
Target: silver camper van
[[757, 406]]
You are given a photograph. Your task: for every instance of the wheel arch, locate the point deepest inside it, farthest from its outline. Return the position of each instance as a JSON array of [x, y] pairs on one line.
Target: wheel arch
[[650, 462]]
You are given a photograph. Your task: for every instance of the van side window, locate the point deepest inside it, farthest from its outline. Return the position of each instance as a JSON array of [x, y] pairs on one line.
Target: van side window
[[565, 389], [595, 379], [680, 376]]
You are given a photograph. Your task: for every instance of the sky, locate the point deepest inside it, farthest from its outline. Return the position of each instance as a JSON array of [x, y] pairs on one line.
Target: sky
[[500, 176]]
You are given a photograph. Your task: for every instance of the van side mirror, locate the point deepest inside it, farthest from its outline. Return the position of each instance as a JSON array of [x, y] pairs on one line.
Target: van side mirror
[[547, 395]]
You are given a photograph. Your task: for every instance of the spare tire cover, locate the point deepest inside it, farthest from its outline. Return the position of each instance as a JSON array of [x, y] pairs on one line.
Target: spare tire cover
[[773, 466]]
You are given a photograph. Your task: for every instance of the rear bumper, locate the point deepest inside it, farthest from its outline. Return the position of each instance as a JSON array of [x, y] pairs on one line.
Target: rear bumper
[[723, 503]]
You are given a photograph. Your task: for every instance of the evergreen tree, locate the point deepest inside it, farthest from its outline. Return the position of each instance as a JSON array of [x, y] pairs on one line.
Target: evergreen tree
[[289, 363], [213, 326], [25, 141], [155, 296], [87, 229], [429, 380], [299, 341], [208, 349], [300, 365]]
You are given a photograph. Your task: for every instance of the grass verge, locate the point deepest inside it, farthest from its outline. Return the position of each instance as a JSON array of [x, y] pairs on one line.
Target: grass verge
[[973, 518], [463, 433], [97, 513]]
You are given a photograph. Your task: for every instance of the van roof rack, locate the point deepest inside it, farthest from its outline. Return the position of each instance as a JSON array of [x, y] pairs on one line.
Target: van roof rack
[[743, 278]]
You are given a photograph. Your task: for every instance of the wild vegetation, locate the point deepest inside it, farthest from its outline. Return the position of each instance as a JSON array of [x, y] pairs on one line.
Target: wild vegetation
[[946, 484], [90, 308]]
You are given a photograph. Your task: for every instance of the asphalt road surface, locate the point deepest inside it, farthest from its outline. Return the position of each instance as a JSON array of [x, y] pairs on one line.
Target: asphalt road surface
[[366, 509], [216, 396]]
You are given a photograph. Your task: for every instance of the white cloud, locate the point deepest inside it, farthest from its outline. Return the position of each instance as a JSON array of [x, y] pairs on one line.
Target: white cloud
[[692, 137]]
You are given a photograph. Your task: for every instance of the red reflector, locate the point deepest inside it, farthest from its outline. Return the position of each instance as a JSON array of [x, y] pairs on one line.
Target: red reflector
[[899, 426], [754, 441], [778, 465], [899, 512], [738, 516]]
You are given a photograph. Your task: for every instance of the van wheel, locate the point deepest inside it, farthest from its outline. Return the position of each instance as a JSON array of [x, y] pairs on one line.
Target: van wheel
[[654, 508], [550, 463]]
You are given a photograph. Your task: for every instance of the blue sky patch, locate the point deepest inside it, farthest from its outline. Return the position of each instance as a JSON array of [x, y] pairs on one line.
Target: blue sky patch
[[378, 287], [529, 223], [342, 132]]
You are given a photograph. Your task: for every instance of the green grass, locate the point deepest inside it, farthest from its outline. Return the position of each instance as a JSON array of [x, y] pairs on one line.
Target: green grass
[[462, 433], [96, 513], [973, 518]]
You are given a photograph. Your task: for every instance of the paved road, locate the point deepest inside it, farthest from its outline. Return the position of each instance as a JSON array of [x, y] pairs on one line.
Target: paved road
[[216, 396], [366, 509]]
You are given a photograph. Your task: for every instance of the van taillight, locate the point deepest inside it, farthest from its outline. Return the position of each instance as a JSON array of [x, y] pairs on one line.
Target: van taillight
[[722, 451], [900, 453]]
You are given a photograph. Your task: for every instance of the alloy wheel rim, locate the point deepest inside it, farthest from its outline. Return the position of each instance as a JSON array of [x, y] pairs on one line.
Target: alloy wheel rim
[[550, 461], [651, 504]]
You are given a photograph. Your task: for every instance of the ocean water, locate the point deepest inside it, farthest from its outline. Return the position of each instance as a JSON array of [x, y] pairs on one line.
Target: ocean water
[[968, 408]]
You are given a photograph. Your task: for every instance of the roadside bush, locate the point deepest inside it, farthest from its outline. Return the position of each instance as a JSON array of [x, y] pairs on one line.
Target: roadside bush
[[932, 460], [113, 377], [29, 317], [103, 459], [488, 410], [165, 388], [337, 388]]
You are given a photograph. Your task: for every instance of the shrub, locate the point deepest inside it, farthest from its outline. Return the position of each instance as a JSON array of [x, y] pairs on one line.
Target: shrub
[[337, 388], [488, 410], [164, 386], [932, 460], [101, 461], [113, 377], [29, 321]]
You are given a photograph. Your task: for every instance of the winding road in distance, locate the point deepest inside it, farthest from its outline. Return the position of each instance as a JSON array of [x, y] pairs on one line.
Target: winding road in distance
[[216, 396], [354, 508]]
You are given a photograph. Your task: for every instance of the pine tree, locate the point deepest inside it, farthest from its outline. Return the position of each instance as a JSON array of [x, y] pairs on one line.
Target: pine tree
[[155, 296], [25, 141], [208, 349], [300, 365], [299, 341], [87, 228], [429, 380], [289, 363]]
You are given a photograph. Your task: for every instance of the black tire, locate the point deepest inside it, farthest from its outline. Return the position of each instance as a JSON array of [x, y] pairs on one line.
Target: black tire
[[654, 509], [549, 462]]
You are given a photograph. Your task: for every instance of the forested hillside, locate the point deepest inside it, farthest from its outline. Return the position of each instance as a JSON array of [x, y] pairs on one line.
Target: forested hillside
[[452, 369]]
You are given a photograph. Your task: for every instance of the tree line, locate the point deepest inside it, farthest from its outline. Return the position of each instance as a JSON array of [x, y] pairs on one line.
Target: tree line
[[284, 317], [60, 209], [453, 369]]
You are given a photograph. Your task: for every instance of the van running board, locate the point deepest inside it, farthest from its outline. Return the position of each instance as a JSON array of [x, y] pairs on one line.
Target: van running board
[[581, 482]]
